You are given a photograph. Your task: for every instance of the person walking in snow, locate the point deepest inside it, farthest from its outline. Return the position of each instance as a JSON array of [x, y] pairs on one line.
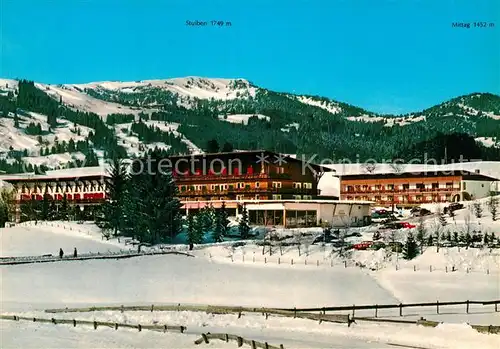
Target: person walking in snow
[[75, 254], [61, 253]]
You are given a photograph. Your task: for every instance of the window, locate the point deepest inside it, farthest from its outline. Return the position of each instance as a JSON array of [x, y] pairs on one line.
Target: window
[[435, 185], [406, 187], [276, 197], [239, 197], [297, 185], [257, 197], [212, 186], [241, 185], [257, 184], [297, 197], [224, 186], [307, 197], [449, 185], [276, 184], [307, 185], [390, 186], [465, 186]]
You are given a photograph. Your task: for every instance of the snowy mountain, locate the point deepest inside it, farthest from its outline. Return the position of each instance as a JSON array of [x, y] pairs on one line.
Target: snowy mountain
[[181, 115]]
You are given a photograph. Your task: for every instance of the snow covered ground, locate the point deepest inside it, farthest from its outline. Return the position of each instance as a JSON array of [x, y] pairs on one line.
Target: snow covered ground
[[218, 275], [48, 237]]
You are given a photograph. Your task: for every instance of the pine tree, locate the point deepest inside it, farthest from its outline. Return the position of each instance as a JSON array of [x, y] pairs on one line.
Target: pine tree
[[467, 239], [64, 209], [45, 207], [410, 248], [430, 240], [421, 233], [243, 227], [486, 239], [194, 229], [111, 210], [448, 236], [442, 219], [221, 224], [4, 214], [478, 209], [152, 209], [493, 207], [53, 212]]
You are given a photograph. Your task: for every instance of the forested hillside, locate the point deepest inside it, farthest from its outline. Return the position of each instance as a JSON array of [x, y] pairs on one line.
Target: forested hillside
[[195, 114]]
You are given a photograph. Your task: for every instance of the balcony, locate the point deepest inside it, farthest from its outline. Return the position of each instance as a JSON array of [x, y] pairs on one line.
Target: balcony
[[233, 177], [249, 191], [389, 191]]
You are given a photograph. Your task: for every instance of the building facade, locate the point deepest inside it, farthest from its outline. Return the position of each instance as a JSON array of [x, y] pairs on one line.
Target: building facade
[[412, 189], [294, 213], [84, 188], [247, 175]]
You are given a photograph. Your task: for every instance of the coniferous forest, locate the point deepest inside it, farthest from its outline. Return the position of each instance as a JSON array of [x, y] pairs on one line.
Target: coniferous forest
[[290, 126]]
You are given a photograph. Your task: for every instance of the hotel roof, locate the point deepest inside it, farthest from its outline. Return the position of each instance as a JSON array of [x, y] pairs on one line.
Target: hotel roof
[[467, 175]]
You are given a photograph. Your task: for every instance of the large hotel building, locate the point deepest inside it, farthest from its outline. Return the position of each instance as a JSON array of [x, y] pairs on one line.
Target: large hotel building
[[413, 189]]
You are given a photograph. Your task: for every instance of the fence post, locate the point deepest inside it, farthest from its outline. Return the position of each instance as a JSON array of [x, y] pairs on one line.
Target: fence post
[[254, 346], [295, 311], [95, 325], [317, 262], [496, 307], [400, 309], [266, 345], [53, 321], [292, 261], [116, 326], [353, 309], [205, 337], [467, 307], [281, 346], [376, 310], [278, 260], [265, 260], [430, 268], [34, 319], [152, 307], [122, 308], [345, 264], [227, 337], [414, 268], [240, 341], [74, 323], [437, 307], [139, 327]]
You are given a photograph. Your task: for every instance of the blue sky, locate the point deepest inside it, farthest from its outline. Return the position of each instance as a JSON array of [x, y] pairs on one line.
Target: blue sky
[[384, 55]]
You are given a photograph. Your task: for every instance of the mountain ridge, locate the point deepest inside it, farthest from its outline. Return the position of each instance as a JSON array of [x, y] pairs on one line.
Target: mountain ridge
[[182, 115]]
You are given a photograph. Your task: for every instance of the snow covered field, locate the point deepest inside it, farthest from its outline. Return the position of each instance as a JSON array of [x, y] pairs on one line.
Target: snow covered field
[[213, 277], [48, 237]]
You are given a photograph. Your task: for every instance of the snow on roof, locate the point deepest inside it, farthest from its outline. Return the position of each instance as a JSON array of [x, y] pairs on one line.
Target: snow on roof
[[96, 171]]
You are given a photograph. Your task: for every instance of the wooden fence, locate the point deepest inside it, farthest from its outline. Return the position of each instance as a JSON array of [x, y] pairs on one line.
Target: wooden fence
[[205, 338], [400, 306], [82, 257], [215, 309], [96, 324]]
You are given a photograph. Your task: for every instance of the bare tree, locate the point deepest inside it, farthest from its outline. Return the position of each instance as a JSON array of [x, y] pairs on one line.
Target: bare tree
[[421, 233], [437, 228]]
